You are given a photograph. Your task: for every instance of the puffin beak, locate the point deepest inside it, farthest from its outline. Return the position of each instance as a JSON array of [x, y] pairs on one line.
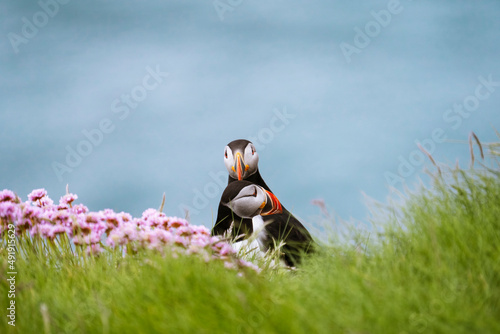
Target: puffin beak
[[239, 166], [275, 205]]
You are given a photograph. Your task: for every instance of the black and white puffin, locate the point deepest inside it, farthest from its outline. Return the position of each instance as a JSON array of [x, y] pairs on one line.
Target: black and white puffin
[[241, 160], [250, 201]]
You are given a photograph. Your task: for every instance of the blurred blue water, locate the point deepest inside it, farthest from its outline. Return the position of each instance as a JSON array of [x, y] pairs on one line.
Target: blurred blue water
[[349, 123]]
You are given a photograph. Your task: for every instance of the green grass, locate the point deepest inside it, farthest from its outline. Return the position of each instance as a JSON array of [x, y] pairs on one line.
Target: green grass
[[435, 268]]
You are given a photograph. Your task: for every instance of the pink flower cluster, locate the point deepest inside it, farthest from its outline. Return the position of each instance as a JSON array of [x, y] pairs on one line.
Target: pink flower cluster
[[95, 231]]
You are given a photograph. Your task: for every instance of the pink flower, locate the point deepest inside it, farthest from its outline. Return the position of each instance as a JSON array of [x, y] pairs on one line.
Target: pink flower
[[201, 241], [50, 231], [81, 226], [184, 231], [111, 219], [200, 229], [31, 215], [215, 239], [177, 222], [57, 229], [181, 241], [126, 217], [150, 240], [154, 230], [45, 202], [250, 265], [89, 239], [67, 199], [194, 249], [7, 196], [79, 208], [224, 249], [94, 217], [164, 236], [150, 213], [130, 231], [93, 238], [94, 249], [10, 211], [153, 217], [116, 237], [63, 217], [37, 194], [43, 229], [32, 212], [34, 230], [46, 213]]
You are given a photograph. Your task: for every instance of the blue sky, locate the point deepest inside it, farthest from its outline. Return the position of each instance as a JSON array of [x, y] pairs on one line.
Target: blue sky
[[167, 84]]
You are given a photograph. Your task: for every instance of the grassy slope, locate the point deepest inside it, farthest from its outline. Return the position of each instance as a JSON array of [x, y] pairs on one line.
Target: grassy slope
[[435, 270]]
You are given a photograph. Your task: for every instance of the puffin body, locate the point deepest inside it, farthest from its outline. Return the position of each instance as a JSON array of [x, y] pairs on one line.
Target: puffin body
[[263, 237], [241, 160], [257, 245], [253, 202]]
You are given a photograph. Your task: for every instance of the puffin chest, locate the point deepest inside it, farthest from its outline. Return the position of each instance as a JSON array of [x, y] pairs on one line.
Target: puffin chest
[[260, 232]]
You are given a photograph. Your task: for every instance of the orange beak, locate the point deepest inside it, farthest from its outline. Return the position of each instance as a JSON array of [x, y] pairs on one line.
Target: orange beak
[[238, 168], [276, 205]]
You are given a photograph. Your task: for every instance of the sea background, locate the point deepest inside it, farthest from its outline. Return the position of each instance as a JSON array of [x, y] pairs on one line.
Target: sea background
[[327, 124]]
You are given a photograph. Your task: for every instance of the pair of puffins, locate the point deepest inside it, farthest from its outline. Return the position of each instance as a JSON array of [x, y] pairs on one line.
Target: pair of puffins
[[248, 206]]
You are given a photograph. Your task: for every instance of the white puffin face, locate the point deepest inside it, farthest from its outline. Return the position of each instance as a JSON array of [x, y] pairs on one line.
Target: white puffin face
[[241, 163], [249, 202]]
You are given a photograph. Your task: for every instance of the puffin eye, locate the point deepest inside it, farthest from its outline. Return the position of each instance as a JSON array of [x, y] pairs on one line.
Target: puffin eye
[[255, 192], [253, 150], [225, 154]]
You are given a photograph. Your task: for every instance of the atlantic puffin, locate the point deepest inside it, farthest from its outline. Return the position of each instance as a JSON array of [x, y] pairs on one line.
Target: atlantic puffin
[[250, 201], [241, 160]]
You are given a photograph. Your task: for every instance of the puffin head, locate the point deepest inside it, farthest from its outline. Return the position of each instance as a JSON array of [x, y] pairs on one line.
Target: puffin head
[[248, 200], [241, 159]]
